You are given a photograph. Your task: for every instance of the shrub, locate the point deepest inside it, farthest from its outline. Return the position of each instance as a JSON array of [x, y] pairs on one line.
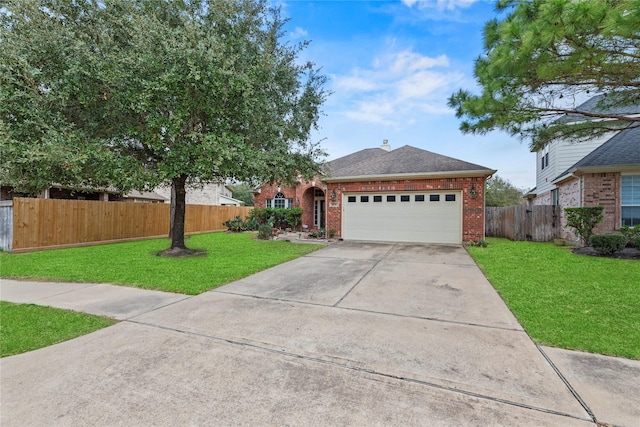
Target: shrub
[[236, 224], [630, 233], [606, 244], [280, 217], [265, 232], [583, 220], [635, 242], [251, 223]]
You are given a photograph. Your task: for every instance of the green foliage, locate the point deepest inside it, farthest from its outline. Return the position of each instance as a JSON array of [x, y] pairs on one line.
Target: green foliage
[[607, 244], [594, 308], [135, 92], [265, 231], [238, 225], [634, 242], [229, 257], [278, 217], [27, 327], [541, 56], [631, 233], [243, 192], [480, 243], [500, 192], [584, 219]]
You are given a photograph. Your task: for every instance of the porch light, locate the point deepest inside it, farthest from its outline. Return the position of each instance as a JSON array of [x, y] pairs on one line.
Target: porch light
[[333, 196], [473, 192]]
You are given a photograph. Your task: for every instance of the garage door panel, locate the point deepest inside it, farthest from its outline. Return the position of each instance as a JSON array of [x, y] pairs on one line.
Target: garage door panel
[[413, 221]]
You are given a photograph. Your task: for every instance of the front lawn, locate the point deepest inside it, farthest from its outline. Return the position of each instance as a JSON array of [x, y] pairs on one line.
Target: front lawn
[[566, 300], [229, 257], [26, 327]]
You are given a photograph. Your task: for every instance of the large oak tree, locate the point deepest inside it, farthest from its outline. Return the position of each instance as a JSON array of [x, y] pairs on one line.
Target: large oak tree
[[148, 92], [542, 58]]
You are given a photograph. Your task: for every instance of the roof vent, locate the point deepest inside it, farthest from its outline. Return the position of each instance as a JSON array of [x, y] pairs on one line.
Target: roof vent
[[385, 145]]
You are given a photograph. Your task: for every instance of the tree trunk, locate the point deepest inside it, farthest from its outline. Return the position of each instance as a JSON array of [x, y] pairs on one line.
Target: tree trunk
[[172, 215], [177, 226]]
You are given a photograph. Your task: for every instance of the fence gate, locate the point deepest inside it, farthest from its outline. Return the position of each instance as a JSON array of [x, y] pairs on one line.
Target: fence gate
[[6, 225], [540, 223]]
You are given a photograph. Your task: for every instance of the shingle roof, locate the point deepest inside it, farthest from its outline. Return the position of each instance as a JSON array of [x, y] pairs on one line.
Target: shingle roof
[[601, 104], [623, 149], [403, 160]]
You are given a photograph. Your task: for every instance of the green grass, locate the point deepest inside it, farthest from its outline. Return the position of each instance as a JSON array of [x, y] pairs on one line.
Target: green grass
[[26, 327], [229, 256], [565, 300]]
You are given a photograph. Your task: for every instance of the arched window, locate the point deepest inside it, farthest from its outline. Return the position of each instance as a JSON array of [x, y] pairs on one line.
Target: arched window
[[279, 201]]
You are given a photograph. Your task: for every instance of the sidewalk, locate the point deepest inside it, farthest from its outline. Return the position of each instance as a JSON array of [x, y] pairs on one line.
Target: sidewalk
[[118, 302]]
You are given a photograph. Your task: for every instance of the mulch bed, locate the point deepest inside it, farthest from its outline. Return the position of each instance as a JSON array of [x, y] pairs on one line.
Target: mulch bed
[[626, 253]]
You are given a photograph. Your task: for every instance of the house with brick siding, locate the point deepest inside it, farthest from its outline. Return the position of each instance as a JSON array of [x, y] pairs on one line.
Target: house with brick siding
[[402, 195], [603, 171]]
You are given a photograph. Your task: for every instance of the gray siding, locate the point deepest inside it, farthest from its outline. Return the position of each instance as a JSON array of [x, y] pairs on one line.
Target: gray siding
[[563, 155]]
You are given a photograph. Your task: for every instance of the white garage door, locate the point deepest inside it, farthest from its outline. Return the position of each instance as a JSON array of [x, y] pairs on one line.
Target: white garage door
[[424, 217]]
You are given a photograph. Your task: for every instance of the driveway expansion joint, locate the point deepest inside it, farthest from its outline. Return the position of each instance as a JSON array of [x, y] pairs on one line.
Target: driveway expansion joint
[[278, 350], [361, 310], [567, 384], [357, 283]]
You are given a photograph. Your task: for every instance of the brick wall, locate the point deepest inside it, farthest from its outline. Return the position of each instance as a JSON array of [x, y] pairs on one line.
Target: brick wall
[[543, 199], [303, 195], [569, 197], [603, 189], [472, 209]]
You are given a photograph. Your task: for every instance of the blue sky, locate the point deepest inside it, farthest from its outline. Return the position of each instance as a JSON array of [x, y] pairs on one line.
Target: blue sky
[[391, 67]]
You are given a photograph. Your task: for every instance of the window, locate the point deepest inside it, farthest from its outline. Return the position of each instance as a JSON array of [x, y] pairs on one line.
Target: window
[[555, 196], [405, 198], [544, 160], [279, 201], [377, 199], [434, 197], [419, 198], [630, 200], [391, 198], [351, 199], [364, 199], [450, 198], [318, 192]]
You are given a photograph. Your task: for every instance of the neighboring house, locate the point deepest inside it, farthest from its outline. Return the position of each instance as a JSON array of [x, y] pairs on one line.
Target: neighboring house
[[604, 171], [401, 195], [208, 194]]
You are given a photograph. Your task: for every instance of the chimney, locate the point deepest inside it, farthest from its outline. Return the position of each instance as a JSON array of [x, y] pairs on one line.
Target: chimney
[[385, 145]]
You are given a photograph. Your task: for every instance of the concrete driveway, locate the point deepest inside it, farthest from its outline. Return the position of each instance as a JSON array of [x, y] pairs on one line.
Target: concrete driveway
[[353, 334]]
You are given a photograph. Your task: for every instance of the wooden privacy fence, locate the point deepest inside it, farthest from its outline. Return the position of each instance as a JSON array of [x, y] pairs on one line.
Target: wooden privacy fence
[[538, 223], [47, 223]]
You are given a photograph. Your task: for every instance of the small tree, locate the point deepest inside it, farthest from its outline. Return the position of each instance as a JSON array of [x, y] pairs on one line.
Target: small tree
[[500, 192], [584, 220]]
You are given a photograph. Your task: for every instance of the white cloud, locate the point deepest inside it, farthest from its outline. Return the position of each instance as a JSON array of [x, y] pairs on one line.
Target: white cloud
[[399, 88], [298, 33], [410, 61], [439, 4]]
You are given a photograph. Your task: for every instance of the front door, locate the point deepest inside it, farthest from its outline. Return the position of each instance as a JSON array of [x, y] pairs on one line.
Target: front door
[[318, 213]]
